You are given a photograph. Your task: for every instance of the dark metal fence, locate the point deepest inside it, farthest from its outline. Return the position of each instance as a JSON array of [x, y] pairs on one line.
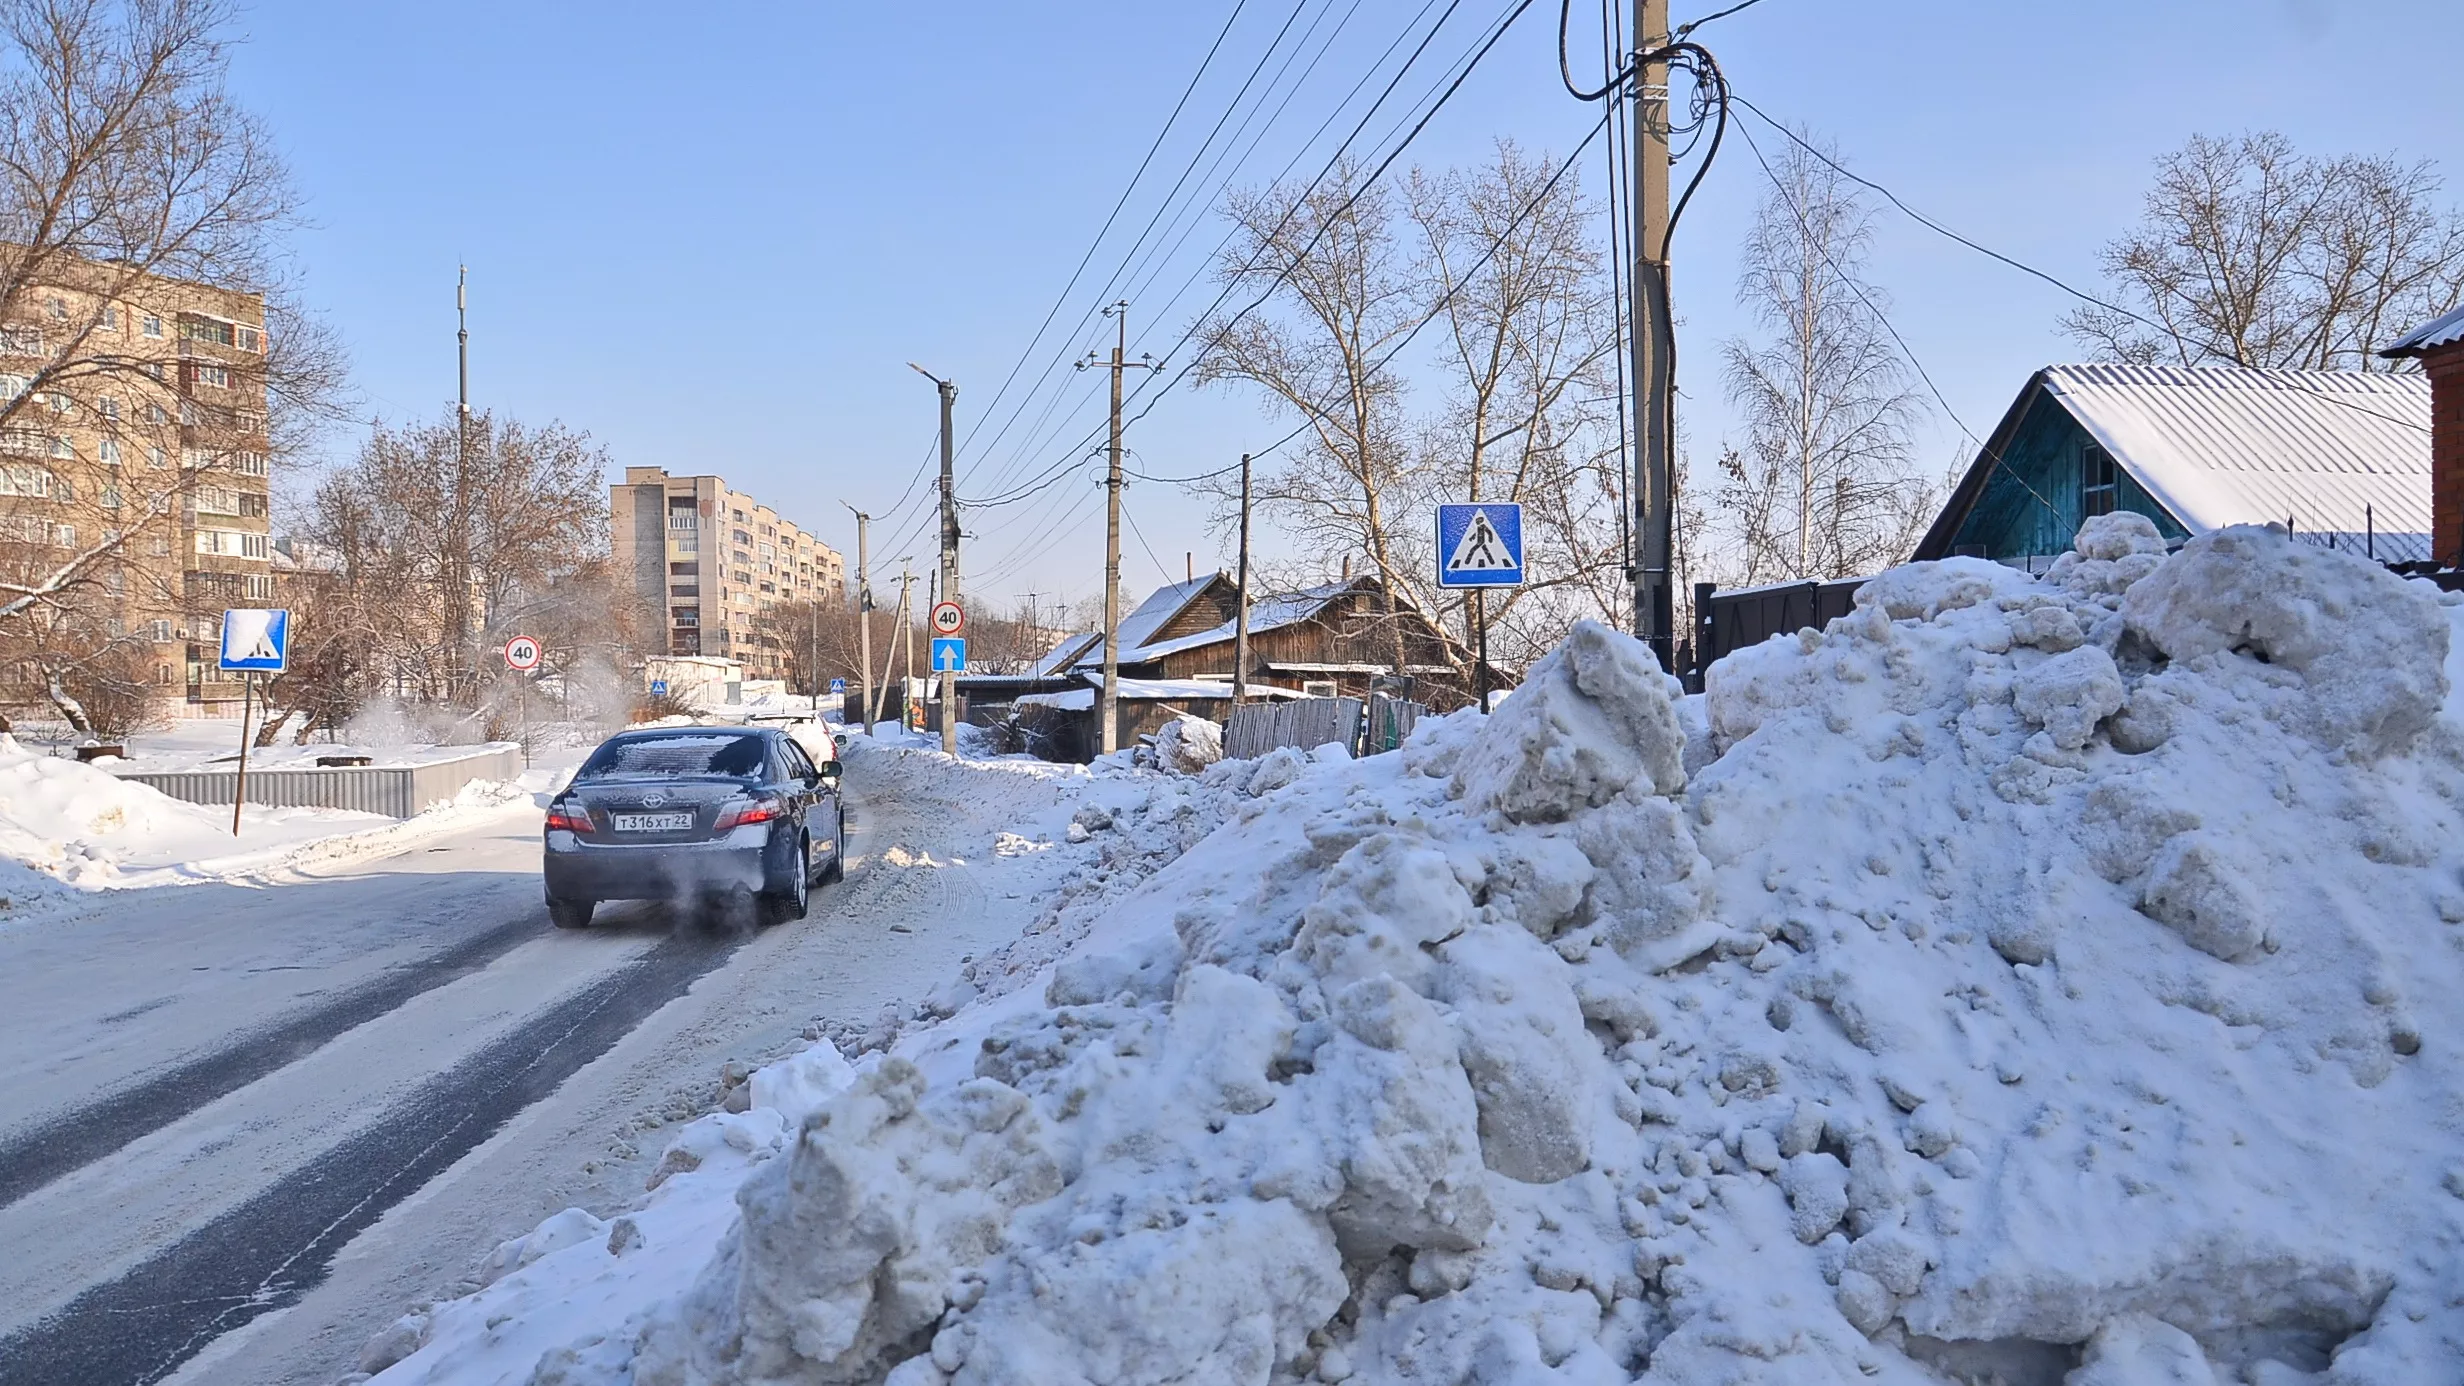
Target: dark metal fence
[[1727, 621]]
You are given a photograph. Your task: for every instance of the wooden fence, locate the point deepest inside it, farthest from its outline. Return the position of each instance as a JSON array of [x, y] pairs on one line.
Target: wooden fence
[[1257, 728]]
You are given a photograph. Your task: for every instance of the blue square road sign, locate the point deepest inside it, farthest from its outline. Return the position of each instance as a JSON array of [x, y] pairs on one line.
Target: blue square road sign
[[256, 639], [949, 653], [658, 688], [838, 685], [1480, 545]]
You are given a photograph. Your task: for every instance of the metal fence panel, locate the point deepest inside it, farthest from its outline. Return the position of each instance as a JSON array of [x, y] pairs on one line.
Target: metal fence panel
[[1730, 621], [397, 792]]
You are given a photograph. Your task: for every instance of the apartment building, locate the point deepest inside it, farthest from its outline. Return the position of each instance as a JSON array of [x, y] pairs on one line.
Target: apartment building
[[712, 559], [137, 427]]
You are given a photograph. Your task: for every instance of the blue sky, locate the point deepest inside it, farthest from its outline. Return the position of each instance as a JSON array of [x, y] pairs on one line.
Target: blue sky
[[714, 237]]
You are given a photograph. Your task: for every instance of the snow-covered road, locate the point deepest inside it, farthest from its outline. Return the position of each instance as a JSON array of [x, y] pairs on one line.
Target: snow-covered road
[[244, 1127]]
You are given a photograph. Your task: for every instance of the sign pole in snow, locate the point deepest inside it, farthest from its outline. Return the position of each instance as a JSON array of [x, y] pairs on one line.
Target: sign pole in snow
[[254, 640], [1480, 546]]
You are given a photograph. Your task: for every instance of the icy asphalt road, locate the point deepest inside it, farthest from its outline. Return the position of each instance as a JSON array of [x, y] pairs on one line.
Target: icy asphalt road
[[243, 1129]]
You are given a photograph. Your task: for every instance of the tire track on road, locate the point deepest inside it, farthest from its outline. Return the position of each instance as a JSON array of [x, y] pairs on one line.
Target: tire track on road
[[271, 1250]]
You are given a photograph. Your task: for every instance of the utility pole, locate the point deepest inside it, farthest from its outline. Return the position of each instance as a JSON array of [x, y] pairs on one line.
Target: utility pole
[[949, 552], [1108, 700], [1240, 623], [906, 629], [864, 618], [459, 601], [1655, 386]]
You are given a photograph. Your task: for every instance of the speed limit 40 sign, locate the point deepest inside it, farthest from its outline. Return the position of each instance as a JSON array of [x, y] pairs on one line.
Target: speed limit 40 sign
[[522, 654], [948, 619]]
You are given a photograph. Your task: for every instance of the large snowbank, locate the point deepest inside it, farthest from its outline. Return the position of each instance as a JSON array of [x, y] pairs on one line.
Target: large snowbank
[[2021, 981]]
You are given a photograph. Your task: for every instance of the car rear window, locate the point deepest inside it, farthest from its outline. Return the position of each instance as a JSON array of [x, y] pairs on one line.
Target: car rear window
[[684, 753]]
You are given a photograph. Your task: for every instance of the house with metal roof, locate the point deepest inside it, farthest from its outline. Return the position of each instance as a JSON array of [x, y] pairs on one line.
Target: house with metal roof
[[2342, 456]]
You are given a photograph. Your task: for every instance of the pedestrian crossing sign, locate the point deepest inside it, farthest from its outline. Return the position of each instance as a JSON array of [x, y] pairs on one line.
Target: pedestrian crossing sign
[[1480, 545]]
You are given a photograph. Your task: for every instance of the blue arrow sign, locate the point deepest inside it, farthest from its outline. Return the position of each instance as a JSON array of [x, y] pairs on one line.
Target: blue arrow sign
[[949, 653], [838, 685], [1480, 545], [256, 639]]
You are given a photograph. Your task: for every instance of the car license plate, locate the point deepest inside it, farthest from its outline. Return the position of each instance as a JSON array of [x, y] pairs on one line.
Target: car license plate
[[653, 822]]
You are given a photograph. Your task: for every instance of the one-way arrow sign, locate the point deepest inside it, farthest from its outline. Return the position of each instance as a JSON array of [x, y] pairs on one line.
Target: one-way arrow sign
[[949, 654]]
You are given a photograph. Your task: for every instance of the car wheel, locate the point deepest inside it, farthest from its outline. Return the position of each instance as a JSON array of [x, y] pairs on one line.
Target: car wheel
[[570, 914], [791, 902], [836, 871]]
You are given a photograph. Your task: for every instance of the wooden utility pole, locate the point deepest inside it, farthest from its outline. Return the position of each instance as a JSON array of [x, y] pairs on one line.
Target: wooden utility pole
[[1107, 702], [906, 631], [1240, 623], [864, 620], [1655, 386], [949, 552]]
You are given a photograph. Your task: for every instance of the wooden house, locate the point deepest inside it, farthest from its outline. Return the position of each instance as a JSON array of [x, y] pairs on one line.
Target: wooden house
[[2341, 456]]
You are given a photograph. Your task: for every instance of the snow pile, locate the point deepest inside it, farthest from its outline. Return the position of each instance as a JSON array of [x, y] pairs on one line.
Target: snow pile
[[1187, 745], [2020, 981]]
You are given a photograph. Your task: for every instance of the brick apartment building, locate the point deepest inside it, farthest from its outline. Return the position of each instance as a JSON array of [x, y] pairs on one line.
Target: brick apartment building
[[140, 417], [712, 560]]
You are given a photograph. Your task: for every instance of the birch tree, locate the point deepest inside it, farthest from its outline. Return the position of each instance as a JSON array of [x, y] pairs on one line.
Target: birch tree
[[1821, 484], [2248, 253]]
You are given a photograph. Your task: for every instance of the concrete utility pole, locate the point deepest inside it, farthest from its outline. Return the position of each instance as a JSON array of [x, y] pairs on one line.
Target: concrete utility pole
[[949, 552], [906, 629], [1240, 623], [864, 619], [461, 574], [1108, 701], [1655, 387]]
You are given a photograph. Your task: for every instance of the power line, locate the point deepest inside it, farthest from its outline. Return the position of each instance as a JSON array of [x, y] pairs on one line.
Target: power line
[[2082, 295], [1691, 25]]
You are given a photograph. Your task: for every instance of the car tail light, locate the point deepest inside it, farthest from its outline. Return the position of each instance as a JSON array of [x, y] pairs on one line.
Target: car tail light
[[741, 815], [572, 820]]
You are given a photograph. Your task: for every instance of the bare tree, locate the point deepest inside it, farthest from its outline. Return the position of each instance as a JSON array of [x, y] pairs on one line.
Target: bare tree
[[467, 529], [1821, 486], [1519, 285], [131, 187], [2247, 253], [1337, 293]]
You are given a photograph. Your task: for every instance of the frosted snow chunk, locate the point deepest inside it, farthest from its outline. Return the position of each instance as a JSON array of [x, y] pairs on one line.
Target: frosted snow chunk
[[1922, 591], [2118, 534], [1275, 769], [1891, 1256], [1378, 906], [1592, 717], [1816, 1184], [1399, 1114], [2069, 694], [1532, 1065], [1226, 1031], [1144, 968], [2370, 647], [2136, 1350], [797, 1086], [1652, 878], [1188, 745], [1539, 881], [2197, 888], [1229, 1296], [1865, 1301]]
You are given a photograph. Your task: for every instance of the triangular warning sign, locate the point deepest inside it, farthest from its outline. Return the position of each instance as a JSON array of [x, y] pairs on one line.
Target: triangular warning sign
[[1480, 550]]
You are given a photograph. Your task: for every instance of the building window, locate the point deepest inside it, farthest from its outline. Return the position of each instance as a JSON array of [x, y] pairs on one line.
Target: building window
[[684, 570], [249, 463], [189, 414], [155, 457], [155, 414], [152, 325], [685, 589], [2097, 481], [11, 386], [65, 536], [32, 483], [251, 340], [111, 498], [252, 504], [215, 377], [108, 451], [161, 630], [59, 309], [20, 339], [59, 402], [61, 446], [685, 616], [111, 317], [109, 407], [679, 518], [218, 333]]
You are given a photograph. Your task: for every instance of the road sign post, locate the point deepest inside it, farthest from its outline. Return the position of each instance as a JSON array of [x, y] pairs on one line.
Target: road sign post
[[522, 655], [1480, 546], [255, 640]]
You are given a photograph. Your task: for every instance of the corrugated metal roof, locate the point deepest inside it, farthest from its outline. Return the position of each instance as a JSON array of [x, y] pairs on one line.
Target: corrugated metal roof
[[2444, 330], [2333, 452], [1267, 614], [1058, 660]]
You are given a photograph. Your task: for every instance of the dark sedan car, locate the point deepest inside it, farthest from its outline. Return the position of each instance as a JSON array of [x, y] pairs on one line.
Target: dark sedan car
[[681, 813]]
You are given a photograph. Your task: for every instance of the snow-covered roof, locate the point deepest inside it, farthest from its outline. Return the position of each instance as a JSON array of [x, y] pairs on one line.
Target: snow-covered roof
[[2444, 330], [2335, 452], [1063, 655], [1263, 616], [1187, 688], [1152, 615]]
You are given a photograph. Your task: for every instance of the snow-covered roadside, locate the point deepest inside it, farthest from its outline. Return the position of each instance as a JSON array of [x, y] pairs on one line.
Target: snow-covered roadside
[[2020, 980], [69, 829]]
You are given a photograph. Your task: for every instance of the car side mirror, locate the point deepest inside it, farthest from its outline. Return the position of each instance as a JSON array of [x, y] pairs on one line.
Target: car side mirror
[[839, 739], [826, 771]]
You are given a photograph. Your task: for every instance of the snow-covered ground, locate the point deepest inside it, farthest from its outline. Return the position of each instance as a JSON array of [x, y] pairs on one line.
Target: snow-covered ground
[[2022, 981]]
